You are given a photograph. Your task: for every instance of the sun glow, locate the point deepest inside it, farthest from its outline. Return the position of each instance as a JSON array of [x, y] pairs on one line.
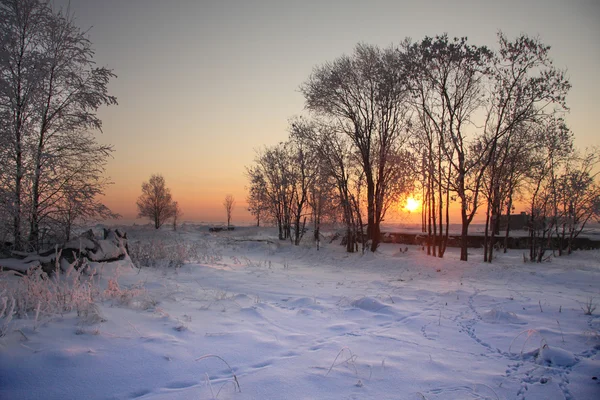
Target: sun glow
[[412, 204]]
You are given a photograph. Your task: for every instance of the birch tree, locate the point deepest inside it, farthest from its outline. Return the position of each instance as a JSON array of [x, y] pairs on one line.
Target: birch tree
[[50, 91], [22, 25]]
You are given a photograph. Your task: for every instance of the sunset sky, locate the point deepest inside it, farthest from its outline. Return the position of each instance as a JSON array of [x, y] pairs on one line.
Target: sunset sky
[[201, 84]]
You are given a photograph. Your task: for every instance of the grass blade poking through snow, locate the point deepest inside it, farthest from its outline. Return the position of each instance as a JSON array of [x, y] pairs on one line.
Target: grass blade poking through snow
[[350, 361], [237, 383], [530, 333]]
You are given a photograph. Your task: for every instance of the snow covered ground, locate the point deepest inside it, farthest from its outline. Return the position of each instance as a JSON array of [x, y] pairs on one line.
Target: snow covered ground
[[282, 322]]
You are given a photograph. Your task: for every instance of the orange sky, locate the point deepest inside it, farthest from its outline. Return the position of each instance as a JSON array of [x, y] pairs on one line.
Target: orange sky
[[202, 84]]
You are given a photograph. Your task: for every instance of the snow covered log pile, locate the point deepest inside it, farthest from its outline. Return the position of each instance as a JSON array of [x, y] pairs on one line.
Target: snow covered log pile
[[87, 247]]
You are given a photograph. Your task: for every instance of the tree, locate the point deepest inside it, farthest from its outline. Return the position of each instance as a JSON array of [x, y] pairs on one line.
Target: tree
[[455, 72], [525, 90], [21, 25], [258, 202], [554, 149], [304, 169], [365, 96], [76, 207], [577, 198], [229, 204], [271, 173], [340, 164], [177, 214], [50, 90], [71, 90], [155, 202]]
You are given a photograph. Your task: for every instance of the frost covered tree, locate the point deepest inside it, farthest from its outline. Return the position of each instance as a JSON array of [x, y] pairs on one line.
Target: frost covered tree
[[525, 90], [76, 207], [576, 198], [21, 35], [456, 73], [156, 201], [50, 91], [365, 95], [472, 105], [270, 173], [229, 204], [338, 162]]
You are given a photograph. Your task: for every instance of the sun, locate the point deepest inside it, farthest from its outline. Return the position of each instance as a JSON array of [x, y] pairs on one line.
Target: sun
[[412, 204]]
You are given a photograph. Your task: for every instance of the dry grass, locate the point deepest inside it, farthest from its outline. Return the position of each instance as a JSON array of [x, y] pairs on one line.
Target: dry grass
[[35, 295]]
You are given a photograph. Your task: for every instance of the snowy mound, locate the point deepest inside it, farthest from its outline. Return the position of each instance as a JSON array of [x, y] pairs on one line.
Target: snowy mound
[[495, 316], [302, 302], [369, 304], [556, 357]]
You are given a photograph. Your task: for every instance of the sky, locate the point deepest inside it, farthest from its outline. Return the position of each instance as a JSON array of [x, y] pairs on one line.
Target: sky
[[203, 84]]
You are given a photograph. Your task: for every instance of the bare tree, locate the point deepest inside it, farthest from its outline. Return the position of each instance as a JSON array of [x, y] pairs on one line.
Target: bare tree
[[21, 25], [336, 159], [365, 96], [50, 90], [177, 214], [271, 173], [525, 89], [258, 201], [304, 168], [577, 198], [229, 204], [156, 202], [456, 72], [71, 90], [555, 147], [76, 206]]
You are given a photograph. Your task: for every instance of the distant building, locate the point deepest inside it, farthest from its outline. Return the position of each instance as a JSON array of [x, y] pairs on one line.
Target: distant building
[[517, 221]]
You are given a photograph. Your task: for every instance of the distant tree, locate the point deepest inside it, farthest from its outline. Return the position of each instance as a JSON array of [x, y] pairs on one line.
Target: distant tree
[[229, 204], [258, 201], [155, 201], [577, 198], [319, 183], [339, 163], [177, 214], [271, 172], [304, 170], [554, 150]]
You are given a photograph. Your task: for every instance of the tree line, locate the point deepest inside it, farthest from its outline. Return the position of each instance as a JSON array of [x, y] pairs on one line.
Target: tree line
[[453, 121], [51, 164]]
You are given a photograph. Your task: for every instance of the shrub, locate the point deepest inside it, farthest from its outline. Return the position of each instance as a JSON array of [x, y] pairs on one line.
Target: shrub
[[171, 253], [36, 294]]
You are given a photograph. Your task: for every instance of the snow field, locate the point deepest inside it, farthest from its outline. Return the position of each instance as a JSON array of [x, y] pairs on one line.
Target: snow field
[[296, 323]]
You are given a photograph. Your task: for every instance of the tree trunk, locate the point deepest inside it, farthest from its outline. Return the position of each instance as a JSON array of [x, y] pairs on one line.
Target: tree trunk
[[464, 240], [508, 210], [371, 234], [486, 236], [17, 208], [35, 197]]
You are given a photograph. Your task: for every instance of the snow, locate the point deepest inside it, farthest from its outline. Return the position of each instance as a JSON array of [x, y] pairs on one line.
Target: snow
[[19, 265], [297, 323]]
